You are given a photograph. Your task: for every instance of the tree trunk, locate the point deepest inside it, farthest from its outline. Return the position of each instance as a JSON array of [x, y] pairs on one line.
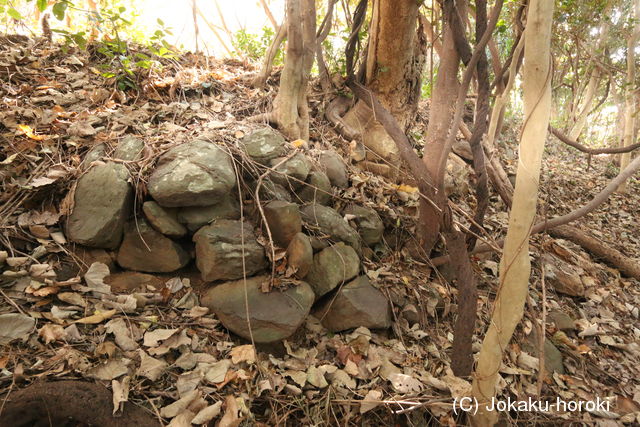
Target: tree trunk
[[630, 99], [393, 68], [515, 267], [443, 102], [290, 110]]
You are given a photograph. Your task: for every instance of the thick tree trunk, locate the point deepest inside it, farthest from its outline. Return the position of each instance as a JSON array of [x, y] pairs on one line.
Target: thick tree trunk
[[290, 110], [515, 267], [393, 68]]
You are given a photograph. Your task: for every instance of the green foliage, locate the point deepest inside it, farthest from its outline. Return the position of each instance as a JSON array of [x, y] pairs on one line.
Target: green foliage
[[110, 25], [254, 46]]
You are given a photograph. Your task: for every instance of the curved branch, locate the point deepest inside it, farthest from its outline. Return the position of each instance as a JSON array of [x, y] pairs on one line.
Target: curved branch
[[575, 144]]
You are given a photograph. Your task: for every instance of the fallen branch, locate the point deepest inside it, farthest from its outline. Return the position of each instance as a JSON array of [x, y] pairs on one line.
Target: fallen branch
[[557, 227], [575, 144]]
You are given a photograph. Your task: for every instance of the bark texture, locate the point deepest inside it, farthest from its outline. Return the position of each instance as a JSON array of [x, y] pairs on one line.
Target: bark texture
[[290, 110], [515, 267]]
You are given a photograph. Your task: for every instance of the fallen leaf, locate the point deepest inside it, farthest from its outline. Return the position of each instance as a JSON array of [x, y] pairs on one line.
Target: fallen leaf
[[120, 391], [207, 414], [371, 400], [51, 333], [243, 353], [96, 318], [218, 371], [151, 367], [152, 338], [29, 133], [94, 277], [122, 334], [109, 370], [405, 384], [15, 326], [230, 417], [179, 405]]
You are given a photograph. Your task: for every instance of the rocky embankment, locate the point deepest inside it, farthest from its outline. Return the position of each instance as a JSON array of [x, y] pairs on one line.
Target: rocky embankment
[[229, 210]]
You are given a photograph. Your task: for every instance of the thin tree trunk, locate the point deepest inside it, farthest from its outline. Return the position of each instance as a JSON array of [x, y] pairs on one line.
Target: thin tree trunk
[[261, 79], [515, 267], [290, 110], [630, 99]]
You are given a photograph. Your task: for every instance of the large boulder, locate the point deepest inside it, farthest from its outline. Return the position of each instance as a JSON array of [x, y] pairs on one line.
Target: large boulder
[[331, 267], [317, 189], [328, 221], [356, 304], [292, 172], [264, 145], [370, 226], [219, 251], [145, 249], [102, 202], [284, 221], [198, 173], [195, 217], [274, 316], [333, 165], [163, 219]]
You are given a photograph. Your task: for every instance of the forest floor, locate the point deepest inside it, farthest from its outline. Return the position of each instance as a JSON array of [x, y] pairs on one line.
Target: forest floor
[[56, 106]]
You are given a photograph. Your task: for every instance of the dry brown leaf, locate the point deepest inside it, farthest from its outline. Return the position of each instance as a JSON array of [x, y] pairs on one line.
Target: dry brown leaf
[[243, 353], [230, 417], [96, 318], [51, 333]]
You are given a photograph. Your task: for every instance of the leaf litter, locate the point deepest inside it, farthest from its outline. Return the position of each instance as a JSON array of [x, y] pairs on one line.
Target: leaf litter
[[161, 349]]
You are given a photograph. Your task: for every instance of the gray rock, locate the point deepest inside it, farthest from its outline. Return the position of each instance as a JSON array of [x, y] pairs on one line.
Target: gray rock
[[331, 267], [370, 226], [264, 145], [297, 167], [328, 221], [274, 316], [333, 165], [456, 180], [95, 153], [129, 149], [131, 281], [102, 202], [562, 276], [356, 304], [219, 250], [553, 361], [195, 217], [272, 191], [198, 173], [163, 220], [562, 320], [317, 189], [284, 221], [144, 249], [300, 255]]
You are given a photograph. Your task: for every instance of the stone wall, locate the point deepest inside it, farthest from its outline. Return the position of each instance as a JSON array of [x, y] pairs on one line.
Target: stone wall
[[232, 208]]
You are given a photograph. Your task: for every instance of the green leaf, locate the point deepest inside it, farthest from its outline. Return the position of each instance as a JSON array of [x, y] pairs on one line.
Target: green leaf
[[59, 10], [161, 22], [42, 5], [14, 14]]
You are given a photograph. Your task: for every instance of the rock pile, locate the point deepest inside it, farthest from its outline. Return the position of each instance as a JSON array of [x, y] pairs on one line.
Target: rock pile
[[194, 211]]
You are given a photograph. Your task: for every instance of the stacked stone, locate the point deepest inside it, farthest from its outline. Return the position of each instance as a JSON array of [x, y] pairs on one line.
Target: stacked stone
[[194, 209]]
